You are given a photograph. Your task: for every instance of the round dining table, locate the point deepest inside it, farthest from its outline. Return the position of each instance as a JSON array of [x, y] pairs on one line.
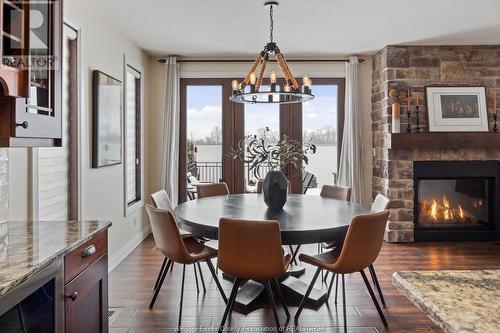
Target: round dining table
[[304, 219]]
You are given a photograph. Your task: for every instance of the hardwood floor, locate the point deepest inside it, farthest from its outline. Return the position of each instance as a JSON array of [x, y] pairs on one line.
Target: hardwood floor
[[130, 288]]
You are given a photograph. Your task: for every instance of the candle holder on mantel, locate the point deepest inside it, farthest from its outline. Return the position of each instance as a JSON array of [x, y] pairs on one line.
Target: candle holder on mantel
[[408, 114], [417, 107]]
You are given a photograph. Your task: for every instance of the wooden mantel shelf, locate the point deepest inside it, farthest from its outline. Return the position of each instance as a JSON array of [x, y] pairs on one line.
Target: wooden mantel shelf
[[445, 140]]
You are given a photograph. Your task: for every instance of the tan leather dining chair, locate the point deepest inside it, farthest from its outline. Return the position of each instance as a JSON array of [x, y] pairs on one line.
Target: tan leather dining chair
[[161, 200], [360, 249], [380, 203], [336, 192], [210, 190], [185, 251], [251, 250]]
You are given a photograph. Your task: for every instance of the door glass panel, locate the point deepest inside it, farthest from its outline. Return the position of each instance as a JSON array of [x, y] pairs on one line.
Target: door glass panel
[[319, 123], [204, 135], [262, 120], [41, 67]]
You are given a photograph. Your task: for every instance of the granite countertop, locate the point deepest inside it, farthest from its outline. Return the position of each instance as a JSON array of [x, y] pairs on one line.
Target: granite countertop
[[27, 247], [457, 301]]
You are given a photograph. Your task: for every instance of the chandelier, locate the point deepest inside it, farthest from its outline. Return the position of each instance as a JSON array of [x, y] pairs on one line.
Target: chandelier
[[290, 92]]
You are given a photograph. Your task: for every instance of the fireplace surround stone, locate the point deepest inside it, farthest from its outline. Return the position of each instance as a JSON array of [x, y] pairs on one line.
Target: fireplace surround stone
[[416, 67]]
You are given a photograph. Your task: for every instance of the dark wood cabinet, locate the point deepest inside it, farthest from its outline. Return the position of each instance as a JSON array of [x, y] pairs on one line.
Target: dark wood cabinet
[[31, 73], [86, 286], [87, 300]]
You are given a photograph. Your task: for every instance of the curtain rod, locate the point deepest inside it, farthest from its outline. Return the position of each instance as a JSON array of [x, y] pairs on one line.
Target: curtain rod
[[163, 60]]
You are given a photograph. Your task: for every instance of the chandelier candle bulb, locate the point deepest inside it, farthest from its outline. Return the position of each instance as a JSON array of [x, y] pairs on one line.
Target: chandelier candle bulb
[[287, 88], [273, 77], [253, 78], [235, 85]]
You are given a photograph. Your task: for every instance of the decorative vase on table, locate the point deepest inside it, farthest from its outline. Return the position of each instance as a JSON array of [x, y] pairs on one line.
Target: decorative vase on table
[[275, 190]]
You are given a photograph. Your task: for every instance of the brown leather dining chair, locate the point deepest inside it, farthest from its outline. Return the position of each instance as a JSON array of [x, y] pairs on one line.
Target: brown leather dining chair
[[251, 250], [380, 203], [210, 190], [182, 250], [361, 247], [161, 200], [336, 192]]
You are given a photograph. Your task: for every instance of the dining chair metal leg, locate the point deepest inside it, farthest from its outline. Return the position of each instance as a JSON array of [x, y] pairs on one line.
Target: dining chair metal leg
[[229, 305], [182, 296], [160, 273], [281, 298], [214, 275], [309, 289], [330, 287], [172, 267], [336, 287], [326, 276], [374, 299], [294, 254], [294, 261], [377, 284], [343, 304], [196, 279], [273, 304], [157, 291], [201, 277]]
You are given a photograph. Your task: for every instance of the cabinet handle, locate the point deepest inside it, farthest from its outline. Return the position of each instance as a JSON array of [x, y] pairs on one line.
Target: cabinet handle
[[73, 296], [88, 251], [24, 124]]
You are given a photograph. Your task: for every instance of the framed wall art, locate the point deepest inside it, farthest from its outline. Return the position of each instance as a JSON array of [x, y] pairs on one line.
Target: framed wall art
[[457, 109], [107, 120]]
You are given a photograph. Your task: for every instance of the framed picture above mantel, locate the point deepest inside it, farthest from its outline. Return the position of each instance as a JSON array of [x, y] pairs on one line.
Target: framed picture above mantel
[[457, 109]]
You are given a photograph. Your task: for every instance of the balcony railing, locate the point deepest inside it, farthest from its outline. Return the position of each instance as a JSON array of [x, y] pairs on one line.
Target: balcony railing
[[212, 171]]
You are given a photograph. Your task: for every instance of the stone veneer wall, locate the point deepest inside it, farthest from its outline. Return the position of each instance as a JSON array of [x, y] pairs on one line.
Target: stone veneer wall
[[416, 67]]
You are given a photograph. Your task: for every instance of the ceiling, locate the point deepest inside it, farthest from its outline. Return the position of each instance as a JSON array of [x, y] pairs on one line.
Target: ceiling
[[303, 28]]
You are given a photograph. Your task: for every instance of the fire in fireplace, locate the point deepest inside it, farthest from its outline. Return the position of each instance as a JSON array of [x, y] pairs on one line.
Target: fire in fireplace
[[457, 200], [462, 202]]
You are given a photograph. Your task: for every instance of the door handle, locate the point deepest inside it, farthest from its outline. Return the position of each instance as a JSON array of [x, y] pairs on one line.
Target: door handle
[[73, 296], [88, 251], [24, 124]]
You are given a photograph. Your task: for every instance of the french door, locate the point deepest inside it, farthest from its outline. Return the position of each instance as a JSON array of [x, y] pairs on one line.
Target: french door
[[211, 126]]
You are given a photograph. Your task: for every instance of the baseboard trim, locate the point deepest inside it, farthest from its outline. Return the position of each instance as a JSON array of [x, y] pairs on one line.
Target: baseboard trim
[[126, 249]]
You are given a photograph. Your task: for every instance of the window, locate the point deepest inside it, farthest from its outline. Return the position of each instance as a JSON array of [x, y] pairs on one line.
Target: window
[[133, 135], [262, 120], [211, 125], [321, 125]]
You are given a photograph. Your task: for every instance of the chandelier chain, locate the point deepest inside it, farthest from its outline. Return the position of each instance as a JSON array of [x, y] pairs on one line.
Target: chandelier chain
[[271, 22]]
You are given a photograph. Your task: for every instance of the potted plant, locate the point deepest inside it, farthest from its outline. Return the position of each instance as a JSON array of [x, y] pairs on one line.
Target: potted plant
[[254, 151]]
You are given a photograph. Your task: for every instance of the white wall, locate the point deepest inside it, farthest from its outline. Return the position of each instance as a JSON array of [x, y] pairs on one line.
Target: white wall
[[221, 70], [102, 190]]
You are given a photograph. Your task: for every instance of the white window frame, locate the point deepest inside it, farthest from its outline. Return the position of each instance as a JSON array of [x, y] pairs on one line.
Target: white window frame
[[129, 209]]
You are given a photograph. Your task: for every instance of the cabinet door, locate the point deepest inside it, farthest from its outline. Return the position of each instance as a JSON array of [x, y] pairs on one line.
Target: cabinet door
[[41, 112], [87, 300]]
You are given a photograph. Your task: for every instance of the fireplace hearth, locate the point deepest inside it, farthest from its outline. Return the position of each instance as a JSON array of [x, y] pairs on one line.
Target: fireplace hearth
[[456, 200]]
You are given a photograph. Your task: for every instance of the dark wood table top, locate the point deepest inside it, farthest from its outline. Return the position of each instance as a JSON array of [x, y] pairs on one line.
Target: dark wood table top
[[304, 219]]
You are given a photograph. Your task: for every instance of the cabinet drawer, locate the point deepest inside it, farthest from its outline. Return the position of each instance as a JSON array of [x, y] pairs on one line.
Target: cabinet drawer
[[84, 255]]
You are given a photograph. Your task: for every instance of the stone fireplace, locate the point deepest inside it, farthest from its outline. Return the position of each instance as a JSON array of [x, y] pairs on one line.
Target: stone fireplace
[[414, 68]]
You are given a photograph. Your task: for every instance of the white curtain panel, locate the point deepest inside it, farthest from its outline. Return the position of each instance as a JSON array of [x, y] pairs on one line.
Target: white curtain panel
[[350, 166], [170, 140]]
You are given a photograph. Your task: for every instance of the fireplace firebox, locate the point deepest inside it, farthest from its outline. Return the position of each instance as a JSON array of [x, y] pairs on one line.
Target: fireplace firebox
[[456, 200]]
